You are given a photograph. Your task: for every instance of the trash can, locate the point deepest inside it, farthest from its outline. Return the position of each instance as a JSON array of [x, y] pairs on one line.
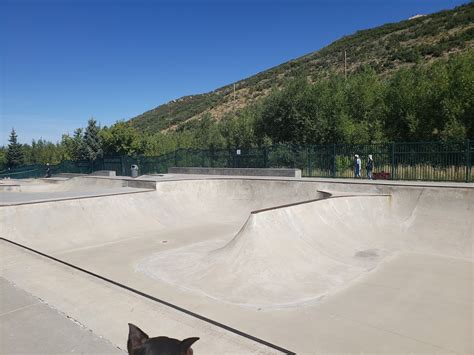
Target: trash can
[[134, 169]]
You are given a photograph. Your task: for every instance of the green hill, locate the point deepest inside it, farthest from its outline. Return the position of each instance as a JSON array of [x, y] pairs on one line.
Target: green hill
[[386, 48]]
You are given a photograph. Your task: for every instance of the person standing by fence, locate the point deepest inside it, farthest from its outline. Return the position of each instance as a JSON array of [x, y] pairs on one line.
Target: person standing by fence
[[48, 171], [369, 167], [357, 165]]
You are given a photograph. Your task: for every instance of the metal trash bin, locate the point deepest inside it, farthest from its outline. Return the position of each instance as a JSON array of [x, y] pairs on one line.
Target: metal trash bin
[[134, 170]]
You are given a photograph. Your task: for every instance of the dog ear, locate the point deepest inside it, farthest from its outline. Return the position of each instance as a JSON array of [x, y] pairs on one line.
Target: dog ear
[[136, 338], [186, 345]]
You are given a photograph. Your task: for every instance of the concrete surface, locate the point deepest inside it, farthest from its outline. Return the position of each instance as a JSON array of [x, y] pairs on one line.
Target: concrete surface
[[29, 326], [107, 309], [274, 172], [104, 173], [335, 181], [21, 198], [18, 192], [10, 187], [359, 272]]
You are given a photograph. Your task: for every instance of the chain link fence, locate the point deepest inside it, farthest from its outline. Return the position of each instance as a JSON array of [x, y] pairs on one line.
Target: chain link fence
[[429, 161]]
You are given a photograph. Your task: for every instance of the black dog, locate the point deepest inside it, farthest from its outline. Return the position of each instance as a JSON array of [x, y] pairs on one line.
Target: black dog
[[141, 344]]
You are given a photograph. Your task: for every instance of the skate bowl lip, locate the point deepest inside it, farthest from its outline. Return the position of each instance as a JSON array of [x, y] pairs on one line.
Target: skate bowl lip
[[72, 198], [306, 179], [129, 186], [147, 179], [160, 178], [326, 195]]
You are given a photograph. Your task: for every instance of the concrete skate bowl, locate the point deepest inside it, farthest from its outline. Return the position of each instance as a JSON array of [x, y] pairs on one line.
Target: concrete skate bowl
[[176, 207], [374, 268], [290, 255], [279, 257]]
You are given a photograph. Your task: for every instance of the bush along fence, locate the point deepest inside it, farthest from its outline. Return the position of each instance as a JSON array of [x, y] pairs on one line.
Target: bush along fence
[[429, 161]]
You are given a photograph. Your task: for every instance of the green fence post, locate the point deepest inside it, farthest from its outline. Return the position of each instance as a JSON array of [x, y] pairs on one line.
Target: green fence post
[[334, 160], [392, 163], [122, 165], [468, 160], [308, 155], [265, 157]]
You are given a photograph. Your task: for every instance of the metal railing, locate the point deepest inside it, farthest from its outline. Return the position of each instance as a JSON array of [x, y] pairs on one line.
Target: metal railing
[[429, 161]]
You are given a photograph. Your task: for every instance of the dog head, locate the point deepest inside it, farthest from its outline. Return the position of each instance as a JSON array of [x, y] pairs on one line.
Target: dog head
[[141, 344]]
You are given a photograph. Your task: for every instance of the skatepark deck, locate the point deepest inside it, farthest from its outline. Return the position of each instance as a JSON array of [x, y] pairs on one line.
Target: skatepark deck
[[314, 266]]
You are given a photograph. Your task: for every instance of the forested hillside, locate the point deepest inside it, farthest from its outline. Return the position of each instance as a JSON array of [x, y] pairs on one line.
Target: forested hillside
[[385, 49]]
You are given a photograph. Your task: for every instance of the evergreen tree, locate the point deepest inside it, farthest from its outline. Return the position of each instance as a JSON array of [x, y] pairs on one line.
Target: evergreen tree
[[74, 146], [14, 155], [92, 141], [78, 145], [3, 152]]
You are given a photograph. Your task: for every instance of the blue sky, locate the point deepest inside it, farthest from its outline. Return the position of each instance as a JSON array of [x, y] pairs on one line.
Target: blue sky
[[63, 61]]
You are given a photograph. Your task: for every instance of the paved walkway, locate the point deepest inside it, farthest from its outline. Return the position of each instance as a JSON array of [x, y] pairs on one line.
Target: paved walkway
[[29, 326]]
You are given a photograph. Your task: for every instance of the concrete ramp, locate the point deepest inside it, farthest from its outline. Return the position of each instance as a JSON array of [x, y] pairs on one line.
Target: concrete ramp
[[294, 254], [287, 255]]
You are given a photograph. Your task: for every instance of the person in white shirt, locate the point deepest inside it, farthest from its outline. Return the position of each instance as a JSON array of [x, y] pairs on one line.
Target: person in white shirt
[[357, 165]]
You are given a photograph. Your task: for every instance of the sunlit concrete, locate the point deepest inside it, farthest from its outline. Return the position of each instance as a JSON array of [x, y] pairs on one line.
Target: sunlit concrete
[[378, 268], [29, 326]]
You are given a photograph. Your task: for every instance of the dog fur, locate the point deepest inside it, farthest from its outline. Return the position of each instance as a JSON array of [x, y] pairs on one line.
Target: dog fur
[[139, 343]]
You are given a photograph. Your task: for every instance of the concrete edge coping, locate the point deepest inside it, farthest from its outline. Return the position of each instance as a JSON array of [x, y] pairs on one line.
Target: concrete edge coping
[[402, 183], [327, 196], [127, 179], [80, 197], [153, 183], [405, 183], [409, 183]]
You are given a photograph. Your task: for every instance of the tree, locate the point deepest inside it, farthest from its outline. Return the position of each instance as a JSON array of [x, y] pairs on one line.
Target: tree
[[208, 135], [366, 106], [287, 114], [403, 106], [121, 139], [453, 131], [92, 141], [3, 152], [458, 103], [41, 152], [74, 146], [14, 155], [239, 131], [331, 118]]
